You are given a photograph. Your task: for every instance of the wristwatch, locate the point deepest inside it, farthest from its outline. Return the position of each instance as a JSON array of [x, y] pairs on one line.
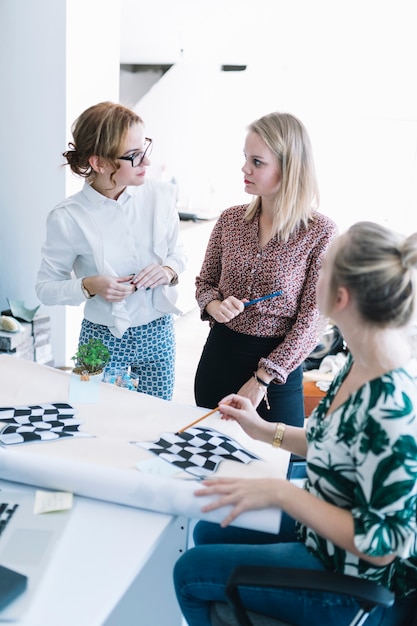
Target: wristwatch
[[85, 291]]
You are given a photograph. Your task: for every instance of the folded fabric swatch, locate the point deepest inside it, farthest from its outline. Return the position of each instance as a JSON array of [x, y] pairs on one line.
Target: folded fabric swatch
[[42, 411], [40, 422]]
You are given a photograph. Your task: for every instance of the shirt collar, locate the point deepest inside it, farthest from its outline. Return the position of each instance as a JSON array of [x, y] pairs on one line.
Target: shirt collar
[[97, 199]]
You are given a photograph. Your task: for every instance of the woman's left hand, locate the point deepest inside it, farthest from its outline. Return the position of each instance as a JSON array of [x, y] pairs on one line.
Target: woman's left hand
[[243, 494], [151, 276]]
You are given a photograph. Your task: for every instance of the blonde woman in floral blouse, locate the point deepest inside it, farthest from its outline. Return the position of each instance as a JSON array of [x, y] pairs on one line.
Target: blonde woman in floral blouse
[[274, 244], [357, 513]]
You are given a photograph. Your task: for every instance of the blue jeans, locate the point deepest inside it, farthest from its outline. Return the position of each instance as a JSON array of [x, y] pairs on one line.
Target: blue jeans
[[200, 576]]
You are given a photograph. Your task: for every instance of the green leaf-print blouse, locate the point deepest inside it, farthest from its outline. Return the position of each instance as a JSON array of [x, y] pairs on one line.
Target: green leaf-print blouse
[[363, 457]]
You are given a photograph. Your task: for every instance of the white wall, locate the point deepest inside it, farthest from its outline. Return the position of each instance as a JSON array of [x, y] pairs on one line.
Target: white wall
[[32, 131]]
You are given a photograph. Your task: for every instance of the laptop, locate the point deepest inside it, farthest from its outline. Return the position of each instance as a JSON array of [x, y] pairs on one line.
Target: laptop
[[27, 543]]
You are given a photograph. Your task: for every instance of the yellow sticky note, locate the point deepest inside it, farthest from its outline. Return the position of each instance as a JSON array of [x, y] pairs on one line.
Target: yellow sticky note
[[47, 501]]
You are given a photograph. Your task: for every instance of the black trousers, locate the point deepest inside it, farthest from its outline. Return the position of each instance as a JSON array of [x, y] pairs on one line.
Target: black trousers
[[229, 359]]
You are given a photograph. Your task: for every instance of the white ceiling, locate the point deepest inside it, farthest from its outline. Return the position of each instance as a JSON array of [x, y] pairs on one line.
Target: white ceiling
[[354, 51], [230, 31], [369, 42]]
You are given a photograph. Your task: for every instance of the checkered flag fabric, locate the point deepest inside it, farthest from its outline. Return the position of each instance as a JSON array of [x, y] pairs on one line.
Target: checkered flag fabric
[[198, 451], [39, 411], [40, 422]]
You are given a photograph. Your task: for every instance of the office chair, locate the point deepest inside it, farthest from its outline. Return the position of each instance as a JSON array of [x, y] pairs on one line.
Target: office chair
[[367, 593]]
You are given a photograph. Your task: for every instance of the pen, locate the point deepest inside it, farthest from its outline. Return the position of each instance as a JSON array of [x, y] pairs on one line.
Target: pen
[[270, 295]]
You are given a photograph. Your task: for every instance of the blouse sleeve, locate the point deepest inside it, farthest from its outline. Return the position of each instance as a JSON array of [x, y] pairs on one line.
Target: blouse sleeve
[[385, 455], [176, 257], [309, 325], [55, 282]]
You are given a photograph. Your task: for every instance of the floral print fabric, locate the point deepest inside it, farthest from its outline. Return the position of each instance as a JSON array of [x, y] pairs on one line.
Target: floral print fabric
[[363, 457], [236, 265]]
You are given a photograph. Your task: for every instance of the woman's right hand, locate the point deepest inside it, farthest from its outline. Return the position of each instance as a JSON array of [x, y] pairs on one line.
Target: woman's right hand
[[110, 288], [225, 310], [241, 410]]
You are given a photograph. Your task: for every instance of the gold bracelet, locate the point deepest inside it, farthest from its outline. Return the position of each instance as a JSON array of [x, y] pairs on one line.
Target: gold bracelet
[[279, 435]]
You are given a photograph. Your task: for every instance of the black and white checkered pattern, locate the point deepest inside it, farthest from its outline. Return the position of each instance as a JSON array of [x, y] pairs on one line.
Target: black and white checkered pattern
[[40, 422], [198, 451], [36, 412]]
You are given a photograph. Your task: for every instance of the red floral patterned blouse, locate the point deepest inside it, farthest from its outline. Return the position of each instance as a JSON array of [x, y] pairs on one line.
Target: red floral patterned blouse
[[235, 265]]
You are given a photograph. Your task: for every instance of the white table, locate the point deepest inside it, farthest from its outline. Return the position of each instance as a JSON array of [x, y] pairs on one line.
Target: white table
[[112, 567], [114, 564]]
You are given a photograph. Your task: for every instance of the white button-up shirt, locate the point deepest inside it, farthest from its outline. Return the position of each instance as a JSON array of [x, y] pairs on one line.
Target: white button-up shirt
[[89, 234]]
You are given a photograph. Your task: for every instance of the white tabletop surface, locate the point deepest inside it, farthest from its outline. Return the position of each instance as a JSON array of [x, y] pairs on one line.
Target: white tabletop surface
[[103, 548], [106, 545]]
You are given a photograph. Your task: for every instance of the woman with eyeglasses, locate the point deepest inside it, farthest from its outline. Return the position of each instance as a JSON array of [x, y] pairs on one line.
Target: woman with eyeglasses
[[115, 246], [257, 283]]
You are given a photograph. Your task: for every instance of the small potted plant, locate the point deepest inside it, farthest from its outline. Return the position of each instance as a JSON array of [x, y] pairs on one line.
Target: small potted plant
[[90, 358]]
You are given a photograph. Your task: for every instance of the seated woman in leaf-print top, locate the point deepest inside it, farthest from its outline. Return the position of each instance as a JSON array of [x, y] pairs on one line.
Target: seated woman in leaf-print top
[[357, 513]]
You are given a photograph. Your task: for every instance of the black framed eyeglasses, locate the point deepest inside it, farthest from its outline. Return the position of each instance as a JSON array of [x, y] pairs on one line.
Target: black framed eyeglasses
[[137, 157]]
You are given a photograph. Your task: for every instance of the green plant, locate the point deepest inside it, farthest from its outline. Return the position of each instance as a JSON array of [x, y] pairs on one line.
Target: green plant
[[91, 357]]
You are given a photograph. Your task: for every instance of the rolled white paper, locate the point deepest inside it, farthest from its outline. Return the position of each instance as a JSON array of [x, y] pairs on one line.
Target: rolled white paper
[[131, 488]]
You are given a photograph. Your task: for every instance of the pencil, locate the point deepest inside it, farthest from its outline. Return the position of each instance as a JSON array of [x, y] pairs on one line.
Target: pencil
[[270, 295], [203, 417]]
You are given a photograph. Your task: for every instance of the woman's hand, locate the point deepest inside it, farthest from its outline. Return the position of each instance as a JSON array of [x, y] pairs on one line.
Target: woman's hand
[[240, 409], [110, 288], [242, 494], [249, 494], [236, 407], [225, 310], [151, 276]]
